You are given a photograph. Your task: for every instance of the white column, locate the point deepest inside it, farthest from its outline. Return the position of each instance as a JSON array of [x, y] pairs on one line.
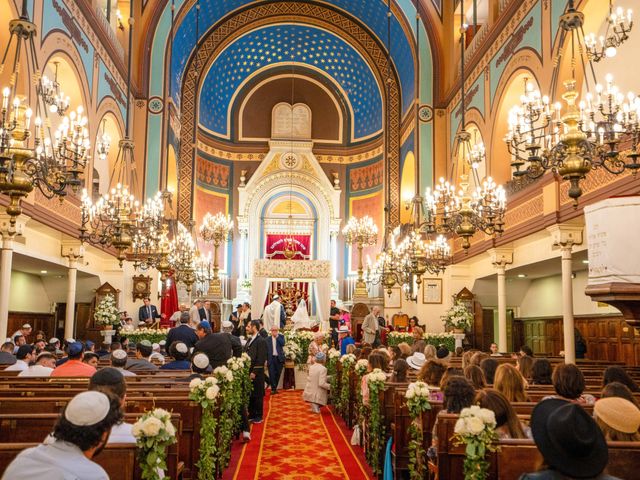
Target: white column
[[242, 255], [567, 306], [501, 257], [333, 248], [73, 251], [70, 318], [565, 237], [8, 233]]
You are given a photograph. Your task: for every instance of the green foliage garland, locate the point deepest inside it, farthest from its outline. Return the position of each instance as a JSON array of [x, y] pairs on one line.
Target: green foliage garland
[[417, 397], [332, 372], [207, 394], [347, 361], [154, 432], [375, 381], [228, 409], [476, 430]]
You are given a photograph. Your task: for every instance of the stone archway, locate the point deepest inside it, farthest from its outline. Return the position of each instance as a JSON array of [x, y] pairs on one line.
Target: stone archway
[[245, 20]]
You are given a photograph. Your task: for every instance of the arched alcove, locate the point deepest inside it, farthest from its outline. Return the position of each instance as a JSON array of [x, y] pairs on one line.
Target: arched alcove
[[407, 185], [105, 166]]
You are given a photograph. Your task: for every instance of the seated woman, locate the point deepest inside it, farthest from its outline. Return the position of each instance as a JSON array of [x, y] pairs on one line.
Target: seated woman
[[508, 425], [617, 389], [413, 323], [431, 373], [510, 383], [400, 369], [541, 372], [571, 444], [475, 375], [315, 347], [524, 365], [569, 384], [619, 419], [376, 360], [615, 373], [458, 394]]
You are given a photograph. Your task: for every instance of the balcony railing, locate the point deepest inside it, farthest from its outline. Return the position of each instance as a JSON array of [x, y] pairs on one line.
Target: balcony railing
[[104, 23]]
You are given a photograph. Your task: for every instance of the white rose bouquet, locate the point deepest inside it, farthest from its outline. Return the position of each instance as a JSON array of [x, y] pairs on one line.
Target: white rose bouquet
[[375, 382], [476, 429], [362, 366], [207, 394], [333, 353], [417, 396], [154, 432], [223, 374], [291, 350], [396, 338], [347, 360], [107, 312]]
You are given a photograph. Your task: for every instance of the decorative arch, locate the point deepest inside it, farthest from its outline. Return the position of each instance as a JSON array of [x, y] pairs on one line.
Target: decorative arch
[[276, 12]]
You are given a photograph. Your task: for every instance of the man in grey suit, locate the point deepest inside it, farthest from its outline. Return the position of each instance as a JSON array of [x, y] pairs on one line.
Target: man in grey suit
[[370, 326]]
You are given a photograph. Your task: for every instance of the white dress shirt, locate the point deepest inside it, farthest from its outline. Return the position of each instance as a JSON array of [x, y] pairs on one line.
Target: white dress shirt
[[36, 371], [55, 461], [20, 365], [121, 434]]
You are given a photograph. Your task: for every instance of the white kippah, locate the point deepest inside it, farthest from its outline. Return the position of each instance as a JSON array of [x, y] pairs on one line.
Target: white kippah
[[87, 408], [119, 354], [162, 343], [70, 340], [200, 360], [181, 347], [155, 346], [53, 340]]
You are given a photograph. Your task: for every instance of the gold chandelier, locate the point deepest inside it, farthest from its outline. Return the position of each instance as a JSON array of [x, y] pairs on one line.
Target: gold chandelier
[[619, 25], [588, 135], [118, 220], [455, 207], [52, 162], [361, 232], [216, 229]]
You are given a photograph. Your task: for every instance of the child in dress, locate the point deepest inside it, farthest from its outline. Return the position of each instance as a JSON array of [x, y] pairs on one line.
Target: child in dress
[[317, 388]]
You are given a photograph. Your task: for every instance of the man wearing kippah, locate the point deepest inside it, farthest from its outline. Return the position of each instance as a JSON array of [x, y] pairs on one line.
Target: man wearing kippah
[[74, 366], [81, 432], [141, 362], [119, 362]]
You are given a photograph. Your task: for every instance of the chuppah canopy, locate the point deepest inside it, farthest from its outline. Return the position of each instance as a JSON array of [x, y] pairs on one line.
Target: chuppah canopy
[[316, 271]]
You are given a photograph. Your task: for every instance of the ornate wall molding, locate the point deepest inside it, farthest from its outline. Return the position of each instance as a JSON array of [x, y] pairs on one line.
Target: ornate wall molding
[[292, 268], [242, 21]]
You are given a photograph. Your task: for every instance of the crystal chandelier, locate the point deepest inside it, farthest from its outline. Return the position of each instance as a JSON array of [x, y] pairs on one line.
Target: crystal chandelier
[[589, 134], [103, 143], [204, 273], [118, 220], [619, 25], [460, 209], [51, 94], [360, 232], [182, 256], [216, 229], [50, 162]]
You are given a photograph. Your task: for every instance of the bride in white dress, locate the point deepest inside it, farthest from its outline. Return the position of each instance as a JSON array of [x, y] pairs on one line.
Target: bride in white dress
[[300, 317]]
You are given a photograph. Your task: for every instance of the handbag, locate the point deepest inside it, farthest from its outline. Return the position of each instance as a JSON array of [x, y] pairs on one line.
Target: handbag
[[355, 437]]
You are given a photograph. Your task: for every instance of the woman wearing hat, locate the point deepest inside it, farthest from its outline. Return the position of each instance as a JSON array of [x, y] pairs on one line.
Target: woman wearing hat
[[570, 442], [619, 419]]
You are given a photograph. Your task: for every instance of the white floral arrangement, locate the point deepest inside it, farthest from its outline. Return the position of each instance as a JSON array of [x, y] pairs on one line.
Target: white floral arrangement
[[107, 312], [291, 350], [246, 284], [362, 366], [395, 338], [333, 353], [458, 316], [235, 363], [348, 359], [204, 391], [154, 432], [302, 338], [376, 376], [417, 389], [476, 429], [153, 335], [223, 374]]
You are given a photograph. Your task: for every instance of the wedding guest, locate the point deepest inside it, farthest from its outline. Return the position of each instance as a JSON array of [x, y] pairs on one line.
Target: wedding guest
[[156, 356], [147, 313], [110, 381], [571, 444], [6, 354], [44, 364], [315, 346], [180, 353], [617, 389], [317, 388], [458, 394], [119, 362], [413, 323], [90, 358], [24, 357], [568, 382], [405, 348], [244, 319], [477, 357], [418, 346], [182, 332], [81, 432], [489, 366], [541, 372], [615, 373], [275, 357], [524, 364], [418, 334], [256, 348], [400, 370], [510, 383], [493, 349], [475, 375], [370, 326], [344, 339], [619, 419], [24, 331], [141, 361], [431, 374], [416, 361], [430, 352], [376, 360], [345, 317], [194, 313], [508, 425]]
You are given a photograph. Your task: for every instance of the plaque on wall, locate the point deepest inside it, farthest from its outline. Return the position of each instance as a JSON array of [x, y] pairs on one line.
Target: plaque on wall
[[432, 290], [141, 287]]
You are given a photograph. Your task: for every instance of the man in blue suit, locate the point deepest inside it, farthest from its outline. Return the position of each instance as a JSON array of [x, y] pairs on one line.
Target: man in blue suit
[[275, 357], [148, 313]]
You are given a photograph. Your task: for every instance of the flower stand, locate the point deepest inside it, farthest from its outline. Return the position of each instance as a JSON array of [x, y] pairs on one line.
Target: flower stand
[[108, 335]]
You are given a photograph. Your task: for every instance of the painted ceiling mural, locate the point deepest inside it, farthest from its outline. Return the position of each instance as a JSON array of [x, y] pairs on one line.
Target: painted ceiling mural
[[373, 13], [280, 44]]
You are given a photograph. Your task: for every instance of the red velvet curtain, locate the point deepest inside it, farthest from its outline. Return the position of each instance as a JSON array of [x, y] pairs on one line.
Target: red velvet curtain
[[276, 244], [169, 302]]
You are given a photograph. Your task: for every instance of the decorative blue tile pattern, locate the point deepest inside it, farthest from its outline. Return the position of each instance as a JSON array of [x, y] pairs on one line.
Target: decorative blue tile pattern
[[373, 13], [278, 44]]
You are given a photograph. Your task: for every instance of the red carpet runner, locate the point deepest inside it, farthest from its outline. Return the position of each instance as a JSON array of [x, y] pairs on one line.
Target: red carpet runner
[[295, 444]]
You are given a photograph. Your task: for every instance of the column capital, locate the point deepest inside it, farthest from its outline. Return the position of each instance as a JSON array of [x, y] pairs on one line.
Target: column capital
[[72, 249], [7, 230], [565, 236], [243, 225], [501, 257]]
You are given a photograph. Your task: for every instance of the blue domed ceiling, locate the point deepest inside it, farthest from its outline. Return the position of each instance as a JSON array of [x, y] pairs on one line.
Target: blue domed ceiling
[[355, 77], [275, 45]]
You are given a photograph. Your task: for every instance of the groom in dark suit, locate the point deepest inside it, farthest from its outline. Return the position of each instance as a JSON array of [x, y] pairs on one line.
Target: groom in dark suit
[[256, 348], [148, 313], [275, 357]]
